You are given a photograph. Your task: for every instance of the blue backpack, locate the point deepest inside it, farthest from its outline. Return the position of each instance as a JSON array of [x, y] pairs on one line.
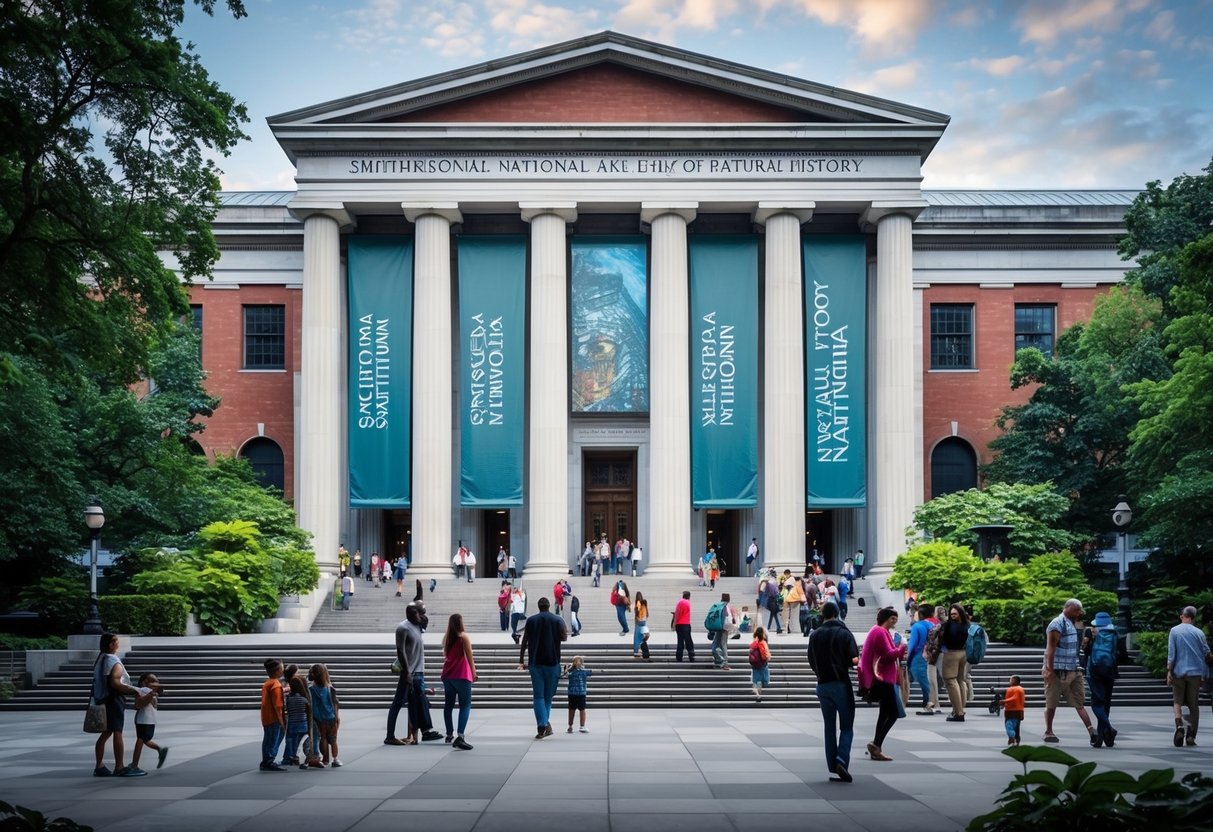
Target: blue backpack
[[714, 622], [976, 644], [1102, 661]]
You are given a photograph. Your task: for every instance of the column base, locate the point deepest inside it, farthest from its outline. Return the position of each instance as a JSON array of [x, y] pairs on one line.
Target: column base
[[664, 570]]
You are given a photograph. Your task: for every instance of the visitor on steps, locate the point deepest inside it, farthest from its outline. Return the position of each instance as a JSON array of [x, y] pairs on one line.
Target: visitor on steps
[[622, 602], [640, 628], [503, 605], [517, 611], [682, 627]]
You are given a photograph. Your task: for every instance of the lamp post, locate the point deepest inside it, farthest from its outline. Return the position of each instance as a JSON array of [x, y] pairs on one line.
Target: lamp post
[[94, 518], [1122, 515]]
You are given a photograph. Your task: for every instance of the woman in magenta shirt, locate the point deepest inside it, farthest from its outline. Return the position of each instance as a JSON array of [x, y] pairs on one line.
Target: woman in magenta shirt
[[878, 672], [458, 673]]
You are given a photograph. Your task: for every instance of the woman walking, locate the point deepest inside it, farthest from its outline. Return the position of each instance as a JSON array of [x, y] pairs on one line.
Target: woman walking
[[640, 628], [623, 603], [878, 672], [458, 674], [112, 685], [952, 640]]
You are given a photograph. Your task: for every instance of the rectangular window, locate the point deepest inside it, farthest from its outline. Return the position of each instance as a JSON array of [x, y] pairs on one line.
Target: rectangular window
[[264, 337], [951, 336], [196, 322], [1034, 326]]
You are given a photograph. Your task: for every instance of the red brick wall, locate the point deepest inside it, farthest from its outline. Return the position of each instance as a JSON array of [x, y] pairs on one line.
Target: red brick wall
[[605, 93], [248, 397], [973, 399]]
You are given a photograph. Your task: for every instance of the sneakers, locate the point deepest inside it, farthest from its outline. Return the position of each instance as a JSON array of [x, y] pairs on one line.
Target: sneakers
[[461, 744], [841, 771], [1179, 734], [131, 771], [1096, 739], [1190, 742], [547, 730], [161, 754], [539, 734], [1109, 737], [102, 771], [450, 738], [570, 730], [336, 763], [430, 736], [584, 730], [271, 766]]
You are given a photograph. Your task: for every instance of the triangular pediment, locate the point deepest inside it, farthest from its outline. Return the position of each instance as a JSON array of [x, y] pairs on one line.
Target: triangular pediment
[[609, 78]]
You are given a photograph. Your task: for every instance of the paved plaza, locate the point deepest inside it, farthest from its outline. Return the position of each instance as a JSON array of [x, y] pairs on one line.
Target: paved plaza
[[665, 769]]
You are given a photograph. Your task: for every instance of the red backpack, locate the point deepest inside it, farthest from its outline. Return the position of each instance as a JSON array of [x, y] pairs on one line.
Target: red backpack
[[756, 654]]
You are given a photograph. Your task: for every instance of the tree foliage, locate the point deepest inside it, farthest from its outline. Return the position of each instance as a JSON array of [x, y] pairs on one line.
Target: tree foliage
[[106, 123], [1032, 510]]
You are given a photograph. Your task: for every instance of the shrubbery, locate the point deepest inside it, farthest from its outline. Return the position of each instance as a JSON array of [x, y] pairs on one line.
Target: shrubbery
[[1152, 652], [147, 615]]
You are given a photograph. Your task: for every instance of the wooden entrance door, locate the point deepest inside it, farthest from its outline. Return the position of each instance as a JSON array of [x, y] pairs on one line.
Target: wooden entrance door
[[610, 495]]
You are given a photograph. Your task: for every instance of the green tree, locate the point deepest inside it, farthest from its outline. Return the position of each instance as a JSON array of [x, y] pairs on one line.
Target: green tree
[[106, 123], [1032, 510]]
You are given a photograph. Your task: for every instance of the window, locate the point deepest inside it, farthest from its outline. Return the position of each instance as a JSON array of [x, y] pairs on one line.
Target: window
[[953, 467], [196, 322], [264, 338], [1034, 326], [951, 336], [266, 458]]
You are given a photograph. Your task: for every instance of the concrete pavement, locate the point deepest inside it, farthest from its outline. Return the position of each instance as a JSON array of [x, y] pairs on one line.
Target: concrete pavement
[[734, 769]]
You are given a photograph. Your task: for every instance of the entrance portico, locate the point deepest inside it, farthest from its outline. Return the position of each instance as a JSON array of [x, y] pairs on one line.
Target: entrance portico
[[780, 162]]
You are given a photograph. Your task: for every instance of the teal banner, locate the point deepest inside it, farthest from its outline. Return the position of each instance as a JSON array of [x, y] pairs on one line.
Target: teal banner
[[380, 371], [724, 371], [835, 320], [492, 367]]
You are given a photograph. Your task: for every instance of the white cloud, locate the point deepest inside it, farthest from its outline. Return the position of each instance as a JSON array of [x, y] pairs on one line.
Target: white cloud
[[1044, 21], [879, 25], [528, 24], [661, 19], [1162, 27], [999, 67], [899, 77], [453, 31]]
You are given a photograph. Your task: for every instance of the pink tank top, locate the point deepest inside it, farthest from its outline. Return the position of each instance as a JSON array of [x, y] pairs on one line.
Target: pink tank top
[[455, 664]]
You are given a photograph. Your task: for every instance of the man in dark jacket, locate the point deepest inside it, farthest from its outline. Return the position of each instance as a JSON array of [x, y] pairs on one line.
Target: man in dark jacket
[[539, 653], [832, 654]]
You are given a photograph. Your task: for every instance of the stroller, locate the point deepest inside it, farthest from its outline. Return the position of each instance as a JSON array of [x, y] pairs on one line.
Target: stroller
[[995, 705]]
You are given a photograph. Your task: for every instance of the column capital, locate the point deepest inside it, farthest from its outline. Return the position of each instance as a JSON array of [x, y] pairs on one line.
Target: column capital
[[302, 209], [650, 211], [879, 209], [802, 211], [567, 211], [449, 211]]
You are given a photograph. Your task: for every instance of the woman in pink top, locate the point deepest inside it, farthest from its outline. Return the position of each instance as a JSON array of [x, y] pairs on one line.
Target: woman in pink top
[[458, 673], [878, 672]]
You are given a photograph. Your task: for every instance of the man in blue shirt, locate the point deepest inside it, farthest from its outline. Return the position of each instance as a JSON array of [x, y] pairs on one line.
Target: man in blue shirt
[[1062, 675], [919, 668], [1186, 670]]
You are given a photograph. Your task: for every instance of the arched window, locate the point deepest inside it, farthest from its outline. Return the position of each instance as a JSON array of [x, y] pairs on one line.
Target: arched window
[[953, 467], [266, 458]]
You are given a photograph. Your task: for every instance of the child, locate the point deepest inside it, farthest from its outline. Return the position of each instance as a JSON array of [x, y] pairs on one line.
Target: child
[[578, 673], [298, 716], [273, 716], [145, 721], [760, 663], [1013, 701], [747, 623], [326, 718]]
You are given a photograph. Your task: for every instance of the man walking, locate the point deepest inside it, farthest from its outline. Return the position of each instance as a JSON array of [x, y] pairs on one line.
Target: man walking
[[1061, 672], [751, 557], [682, 627], [539, 653], [1187, 650], [857, 560], [410, 690], [720, 638], [832, 654]]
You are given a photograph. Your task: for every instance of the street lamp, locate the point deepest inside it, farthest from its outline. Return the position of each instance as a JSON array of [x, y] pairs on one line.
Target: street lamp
[[1122, 515], [94, 518]]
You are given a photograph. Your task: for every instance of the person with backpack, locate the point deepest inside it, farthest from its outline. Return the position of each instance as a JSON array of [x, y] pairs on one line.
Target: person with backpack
[[719, 622], [622, 602], [503, 605], [1102, 647], [975, 653], [760, 661], [768, 601]]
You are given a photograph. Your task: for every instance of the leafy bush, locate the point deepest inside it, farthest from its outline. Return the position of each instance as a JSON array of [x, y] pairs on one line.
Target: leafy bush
[[1055, 571], [1032, 511], [1023, 620], [21, 819], [1160, 606], [12, 642], [1152, 652], [7, 690], [1109, 801], [61, 602], [296, 571], [936, 570], [149, 615]]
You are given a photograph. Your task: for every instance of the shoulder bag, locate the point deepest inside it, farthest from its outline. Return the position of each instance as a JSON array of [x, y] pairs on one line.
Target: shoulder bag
[[95, 721]]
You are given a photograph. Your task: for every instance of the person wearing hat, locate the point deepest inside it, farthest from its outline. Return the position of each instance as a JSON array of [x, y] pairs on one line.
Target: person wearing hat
[[1102, 647]]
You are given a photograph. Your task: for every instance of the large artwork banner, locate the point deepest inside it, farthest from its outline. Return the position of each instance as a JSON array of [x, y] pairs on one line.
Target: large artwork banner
[[724, 371], [609, 320], [380, 371], [835, 319], [492, 369]]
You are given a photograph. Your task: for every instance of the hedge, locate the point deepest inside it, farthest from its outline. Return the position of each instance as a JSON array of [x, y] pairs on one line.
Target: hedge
[[148, 615], [1152, 652], [1023, 620]]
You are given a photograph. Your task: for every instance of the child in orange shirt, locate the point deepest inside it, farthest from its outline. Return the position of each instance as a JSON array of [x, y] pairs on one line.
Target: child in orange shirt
[[1013, 701], [273, 716]]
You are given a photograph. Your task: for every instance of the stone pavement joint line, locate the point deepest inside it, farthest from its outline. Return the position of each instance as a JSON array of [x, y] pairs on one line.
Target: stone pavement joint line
[[664, 769]]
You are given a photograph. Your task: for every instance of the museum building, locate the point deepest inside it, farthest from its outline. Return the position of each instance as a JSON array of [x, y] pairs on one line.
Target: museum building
[[611, 287]]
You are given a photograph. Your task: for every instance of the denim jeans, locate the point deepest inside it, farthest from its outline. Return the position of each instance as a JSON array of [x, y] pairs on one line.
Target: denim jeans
[[400, 700], [638, 642], [575, 622], [270, 740], [461, 689], [1012, 724], [505, 621], [515, 619], [544, 678], [292, 744], [419, 704], [720, 648], [1101, 702], [918, 672], [838, 712], [621, 612]]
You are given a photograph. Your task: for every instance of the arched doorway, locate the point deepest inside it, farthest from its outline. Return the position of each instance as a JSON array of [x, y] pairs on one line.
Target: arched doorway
[[265, 457], [953, 467]]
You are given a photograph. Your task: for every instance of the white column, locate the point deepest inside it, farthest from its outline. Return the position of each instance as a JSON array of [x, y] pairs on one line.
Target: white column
[[548, 374], [319, 499], [668, 549], [432, 388], [892, 357], [783, 463]]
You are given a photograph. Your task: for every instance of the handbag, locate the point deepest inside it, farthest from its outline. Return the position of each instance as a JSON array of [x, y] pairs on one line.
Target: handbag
[[396, 667], [95, 721]]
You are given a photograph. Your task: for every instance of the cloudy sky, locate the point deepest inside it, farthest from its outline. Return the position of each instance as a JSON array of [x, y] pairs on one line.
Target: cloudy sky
[[1042, 93]]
